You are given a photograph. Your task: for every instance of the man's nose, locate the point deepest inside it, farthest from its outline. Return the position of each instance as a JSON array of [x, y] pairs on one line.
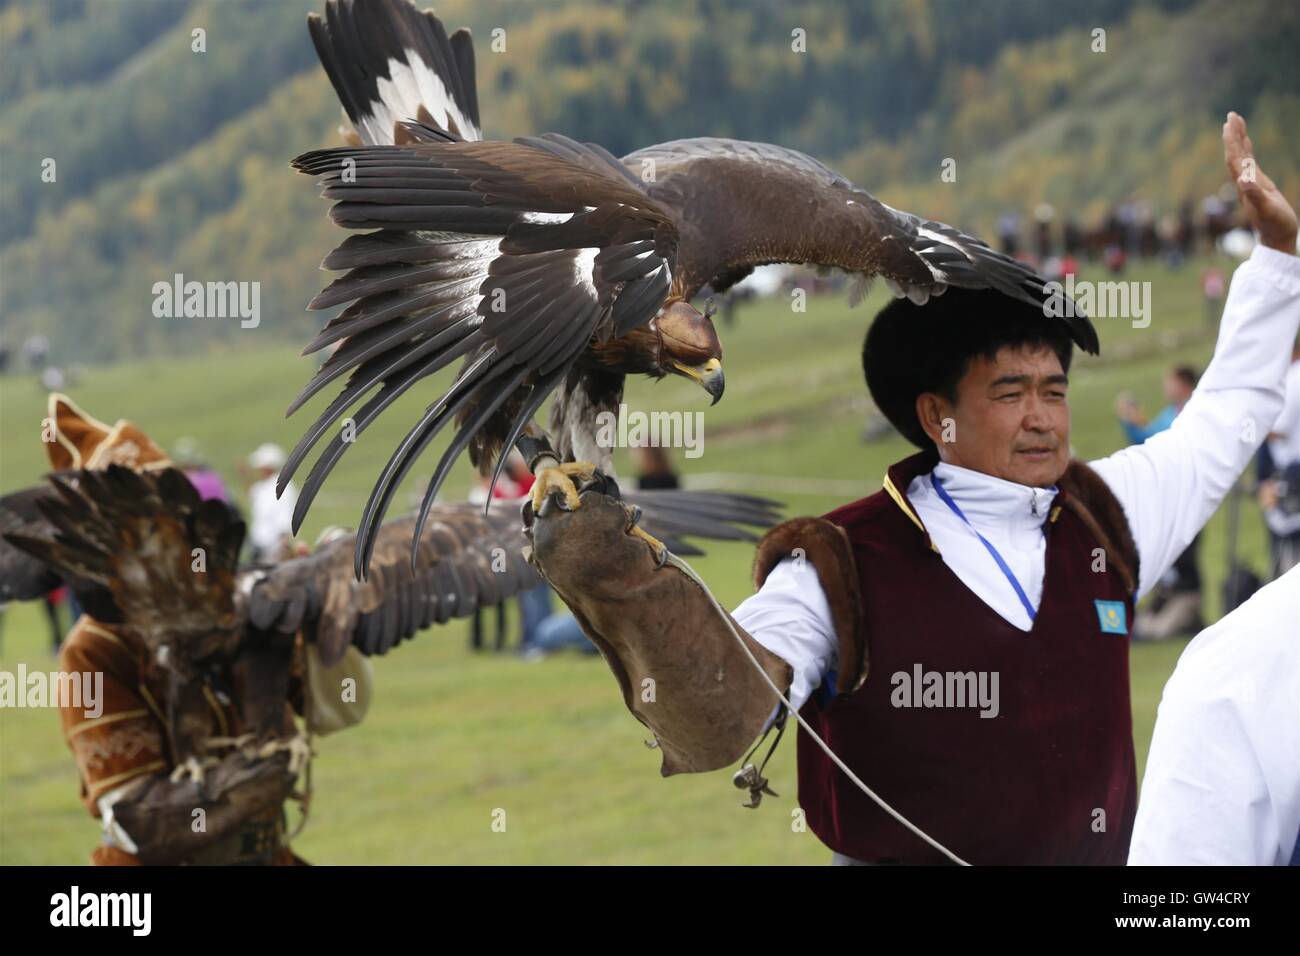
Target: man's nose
[[1036, 418]]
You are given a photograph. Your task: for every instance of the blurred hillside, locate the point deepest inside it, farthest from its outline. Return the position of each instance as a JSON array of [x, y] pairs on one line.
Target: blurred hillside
[[174, 161]]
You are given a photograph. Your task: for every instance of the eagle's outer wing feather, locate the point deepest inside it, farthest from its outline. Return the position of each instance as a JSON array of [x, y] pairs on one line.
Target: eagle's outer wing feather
[[511, 256], [739, 205]]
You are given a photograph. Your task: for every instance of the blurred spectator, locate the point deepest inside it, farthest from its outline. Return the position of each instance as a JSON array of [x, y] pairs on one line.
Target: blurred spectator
[[1179, 383], [188, 457], [1073, 237], [558, 632], [534, 604], [1044, 214], [1279, 487], [271, 529], [1009, 232], [653, 470], [57, 598], [1116, 258], [36, 351], [1214, 285], [1174, 606]]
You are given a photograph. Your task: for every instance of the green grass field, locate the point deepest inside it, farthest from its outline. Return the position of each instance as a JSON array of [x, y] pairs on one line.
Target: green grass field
[[455, 736]]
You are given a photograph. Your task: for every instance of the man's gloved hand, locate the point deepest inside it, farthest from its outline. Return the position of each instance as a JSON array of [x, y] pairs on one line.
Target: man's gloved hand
[[676, 657], [160, 814]]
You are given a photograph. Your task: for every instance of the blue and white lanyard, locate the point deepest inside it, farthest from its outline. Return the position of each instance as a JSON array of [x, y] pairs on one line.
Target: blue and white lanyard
[[1020, 592]]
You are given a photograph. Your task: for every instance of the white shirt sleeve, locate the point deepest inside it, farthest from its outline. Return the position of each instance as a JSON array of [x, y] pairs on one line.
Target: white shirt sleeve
[[791, 617], [1222, 782], [1171, 484]]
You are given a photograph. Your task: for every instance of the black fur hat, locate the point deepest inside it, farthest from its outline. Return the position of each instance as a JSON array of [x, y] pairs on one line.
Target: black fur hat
[[911, 349]]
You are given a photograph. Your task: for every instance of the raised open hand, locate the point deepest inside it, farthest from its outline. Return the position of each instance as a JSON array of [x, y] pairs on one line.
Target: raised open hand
[[1268, 210]]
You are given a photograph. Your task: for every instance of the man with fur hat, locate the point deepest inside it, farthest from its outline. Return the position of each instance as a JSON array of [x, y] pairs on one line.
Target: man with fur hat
[[958, 640], [130, 779]]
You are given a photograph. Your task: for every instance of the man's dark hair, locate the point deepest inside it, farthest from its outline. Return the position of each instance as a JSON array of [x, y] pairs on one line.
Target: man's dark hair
[[1186, 374], [945, 370], [912, 349]]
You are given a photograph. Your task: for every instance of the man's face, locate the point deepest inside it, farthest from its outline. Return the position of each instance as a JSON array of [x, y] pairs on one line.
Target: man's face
[[1011, 418]]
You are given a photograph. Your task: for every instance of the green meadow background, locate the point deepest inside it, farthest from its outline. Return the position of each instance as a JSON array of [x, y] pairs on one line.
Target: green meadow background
[[454, 736]]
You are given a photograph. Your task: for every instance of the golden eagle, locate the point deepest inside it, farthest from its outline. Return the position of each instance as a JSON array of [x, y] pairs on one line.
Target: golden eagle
[[548, 265]]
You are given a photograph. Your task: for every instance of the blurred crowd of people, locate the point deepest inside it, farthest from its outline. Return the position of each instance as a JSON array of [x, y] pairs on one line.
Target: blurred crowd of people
[[1132, 229]]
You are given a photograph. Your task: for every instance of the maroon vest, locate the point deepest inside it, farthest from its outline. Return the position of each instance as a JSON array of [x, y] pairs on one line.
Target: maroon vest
[[1051, 778]]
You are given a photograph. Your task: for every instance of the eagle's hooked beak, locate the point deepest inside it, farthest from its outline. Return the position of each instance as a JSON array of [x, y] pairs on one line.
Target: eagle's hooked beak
[[709, 376]]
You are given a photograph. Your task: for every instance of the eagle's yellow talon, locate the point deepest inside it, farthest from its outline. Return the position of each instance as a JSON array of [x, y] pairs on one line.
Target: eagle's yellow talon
[[560, 479], [657, 546]]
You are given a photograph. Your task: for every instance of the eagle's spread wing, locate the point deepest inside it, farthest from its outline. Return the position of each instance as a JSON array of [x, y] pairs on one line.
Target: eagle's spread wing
[[166, 559], [738, 205], [389, 62], [23, 576], [513, 256]]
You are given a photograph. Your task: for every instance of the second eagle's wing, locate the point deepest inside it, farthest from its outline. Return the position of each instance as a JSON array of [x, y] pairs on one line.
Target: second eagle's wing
[[466, 559], [143, 550], [23, 576], [738, 205]]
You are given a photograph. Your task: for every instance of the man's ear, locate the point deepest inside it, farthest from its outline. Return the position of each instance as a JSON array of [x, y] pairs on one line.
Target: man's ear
[[933, 411]]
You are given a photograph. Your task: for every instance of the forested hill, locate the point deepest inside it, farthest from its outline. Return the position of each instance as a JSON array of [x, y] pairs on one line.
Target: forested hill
[[171, 160]]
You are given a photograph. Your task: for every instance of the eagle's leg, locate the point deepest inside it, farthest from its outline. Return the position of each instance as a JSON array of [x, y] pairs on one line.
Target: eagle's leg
[[552, 474], [659, 549], [560, 478]]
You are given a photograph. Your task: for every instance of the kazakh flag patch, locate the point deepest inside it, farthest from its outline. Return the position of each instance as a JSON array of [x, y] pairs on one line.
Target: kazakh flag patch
[[1111, 615]]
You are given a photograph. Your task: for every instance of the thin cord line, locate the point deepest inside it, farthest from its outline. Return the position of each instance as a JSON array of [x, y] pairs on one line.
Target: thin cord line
[[686, 569]]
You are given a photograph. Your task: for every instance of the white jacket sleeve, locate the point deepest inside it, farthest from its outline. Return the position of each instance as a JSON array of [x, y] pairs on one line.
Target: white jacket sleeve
[[1171, 484], [791, 617]]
